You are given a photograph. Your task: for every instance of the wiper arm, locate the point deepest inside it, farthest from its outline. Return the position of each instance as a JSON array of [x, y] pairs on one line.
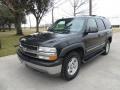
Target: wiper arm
[[68, 27]]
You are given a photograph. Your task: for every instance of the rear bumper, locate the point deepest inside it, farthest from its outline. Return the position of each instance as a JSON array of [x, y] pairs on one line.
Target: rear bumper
[[43, 66]]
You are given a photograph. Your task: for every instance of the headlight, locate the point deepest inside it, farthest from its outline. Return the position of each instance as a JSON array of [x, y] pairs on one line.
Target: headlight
[[47, 53], [47, 49]]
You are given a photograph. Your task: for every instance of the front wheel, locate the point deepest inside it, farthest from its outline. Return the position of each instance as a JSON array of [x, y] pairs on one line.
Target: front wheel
[[107, 48], [71, 66]]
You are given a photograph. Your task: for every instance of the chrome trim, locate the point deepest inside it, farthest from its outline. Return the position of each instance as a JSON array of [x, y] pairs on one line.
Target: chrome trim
[[30, 45], [37, 47], [95, 47], [28, 54], [43, 54], [29, 50]]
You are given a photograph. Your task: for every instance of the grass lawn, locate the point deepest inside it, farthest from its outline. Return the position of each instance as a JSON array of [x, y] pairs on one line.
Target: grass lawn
[[115, 30], [9, 40]]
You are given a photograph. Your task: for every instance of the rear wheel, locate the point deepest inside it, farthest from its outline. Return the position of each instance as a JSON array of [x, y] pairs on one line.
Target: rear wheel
[[107, 48], [71, 66]]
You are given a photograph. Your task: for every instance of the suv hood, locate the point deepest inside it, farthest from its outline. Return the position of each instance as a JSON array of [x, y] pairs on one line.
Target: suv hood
[[44, 38]]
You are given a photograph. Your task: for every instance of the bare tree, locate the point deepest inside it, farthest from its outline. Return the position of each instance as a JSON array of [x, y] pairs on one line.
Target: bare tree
[[55, 4], [38, 8], [76, 4]]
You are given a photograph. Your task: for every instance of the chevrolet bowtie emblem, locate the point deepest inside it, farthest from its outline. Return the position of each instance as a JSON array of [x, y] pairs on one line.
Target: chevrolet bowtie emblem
[[23, 39]]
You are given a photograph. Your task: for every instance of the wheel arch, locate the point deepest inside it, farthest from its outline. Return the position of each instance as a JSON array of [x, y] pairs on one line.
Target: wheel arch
[[110, 39], [77, 47]]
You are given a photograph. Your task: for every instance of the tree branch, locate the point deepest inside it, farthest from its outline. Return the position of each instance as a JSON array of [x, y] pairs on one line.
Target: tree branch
[[81, 4]]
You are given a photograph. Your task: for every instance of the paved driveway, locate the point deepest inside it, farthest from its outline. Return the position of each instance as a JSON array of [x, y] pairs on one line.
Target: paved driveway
[[101, 74]]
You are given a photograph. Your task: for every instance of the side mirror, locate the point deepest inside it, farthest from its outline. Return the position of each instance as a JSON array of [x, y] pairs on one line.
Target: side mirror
[[50, 28], [92, 30]]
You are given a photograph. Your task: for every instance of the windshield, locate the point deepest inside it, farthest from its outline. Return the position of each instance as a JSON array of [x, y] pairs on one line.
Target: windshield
[[65, 25]]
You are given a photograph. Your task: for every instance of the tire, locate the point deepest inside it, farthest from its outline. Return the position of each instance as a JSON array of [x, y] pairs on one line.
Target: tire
[[106, 48], [71, 66]]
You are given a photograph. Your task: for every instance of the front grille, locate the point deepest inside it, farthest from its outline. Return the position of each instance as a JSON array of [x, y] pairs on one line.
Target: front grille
[[29, 54], [30, 47], [29, 50]]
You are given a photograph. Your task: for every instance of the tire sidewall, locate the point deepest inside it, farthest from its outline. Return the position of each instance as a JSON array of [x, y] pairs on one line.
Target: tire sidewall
[[106, 46], [66, 61], [106, 52]]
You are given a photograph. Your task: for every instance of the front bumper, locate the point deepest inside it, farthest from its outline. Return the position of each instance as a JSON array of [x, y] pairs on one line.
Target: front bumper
[[41, 65]]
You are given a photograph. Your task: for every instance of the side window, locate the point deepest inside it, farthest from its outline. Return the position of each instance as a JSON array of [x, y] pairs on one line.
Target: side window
[[91, 24], [60, 25], [107, 23], [100, 24], [76, 25]]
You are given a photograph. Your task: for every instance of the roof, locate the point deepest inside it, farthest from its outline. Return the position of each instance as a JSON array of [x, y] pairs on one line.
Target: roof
[[85, 16]]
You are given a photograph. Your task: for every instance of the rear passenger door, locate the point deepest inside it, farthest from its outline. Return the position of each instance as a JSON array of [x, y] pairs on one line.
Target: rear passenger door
[[91, 40], [102, 35]]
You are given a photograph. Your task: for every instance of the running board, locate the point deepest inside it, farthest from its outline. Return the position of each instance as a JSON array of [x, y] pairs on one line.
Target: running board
[[93, 57]]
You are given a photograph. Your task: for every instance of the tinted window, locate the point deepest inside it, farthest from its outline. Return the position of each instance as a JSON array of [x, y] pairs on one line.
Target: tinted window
[[100, 24], [107, 23], [60, 25], [91, 24], [76, 25], [73, 25]]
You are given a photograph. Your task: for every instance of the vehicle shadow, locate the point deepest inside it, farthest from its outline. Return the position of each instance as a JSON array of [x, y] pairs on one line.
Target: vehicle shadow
[[53, 79], [92, 62]]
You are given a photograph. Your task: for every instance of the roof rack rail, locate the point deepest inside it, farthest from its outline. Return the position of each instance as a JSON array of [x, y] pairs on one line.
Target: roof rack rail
[[93, 15]]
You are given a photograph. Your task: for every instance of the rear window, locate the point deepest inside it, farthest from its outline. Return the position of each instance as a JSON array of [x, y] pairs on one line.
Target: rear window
[[107, 24], [100, 24]]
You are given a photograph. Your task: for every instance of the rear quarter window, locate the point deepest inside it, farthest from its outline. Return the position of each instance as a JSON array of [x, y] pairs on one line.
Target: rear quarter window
[[91, 23], [100, 24], [107, 24]]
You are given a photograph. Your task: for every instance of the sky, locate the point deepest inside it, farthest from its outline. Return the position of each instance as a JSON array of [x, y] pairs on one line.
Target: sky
[[107, 8]]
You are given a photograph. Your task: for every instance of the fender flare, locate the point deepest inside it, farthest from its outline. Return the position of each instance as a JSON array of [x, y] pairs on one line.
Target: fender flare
[[69, 48]]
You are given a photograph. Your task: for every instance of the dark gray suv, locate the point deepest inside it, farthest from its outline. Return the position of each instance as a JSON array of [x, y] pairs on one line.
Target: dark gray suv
[[67, 44]]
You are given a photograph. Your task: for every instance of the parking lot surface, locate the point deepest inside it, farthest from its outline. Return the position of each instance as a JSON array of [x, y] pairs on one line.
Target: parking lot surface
[[103, 73]]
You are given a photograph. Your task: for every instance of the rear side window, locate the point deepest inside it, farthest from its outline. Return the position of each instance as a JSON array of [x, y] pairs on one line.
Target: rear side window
[[91, 24], [107, 24], [100, 24]]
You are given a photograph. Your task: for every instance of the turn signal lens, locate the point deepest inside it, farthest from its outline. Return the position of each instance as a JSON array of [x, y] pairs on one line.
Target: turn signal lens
[[52, 57]]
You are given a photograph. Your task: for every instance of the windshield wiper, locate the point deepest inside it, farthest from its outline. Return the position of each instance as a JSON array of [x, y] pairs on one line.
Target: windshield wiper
[[68, 27]]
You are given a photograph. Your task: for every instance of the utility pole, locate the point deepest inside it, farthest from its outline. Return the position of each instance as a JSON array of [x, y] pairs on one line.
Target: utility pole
[[30, 22], [52, 14], [90, 7], [74, 7], [53, 6]]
